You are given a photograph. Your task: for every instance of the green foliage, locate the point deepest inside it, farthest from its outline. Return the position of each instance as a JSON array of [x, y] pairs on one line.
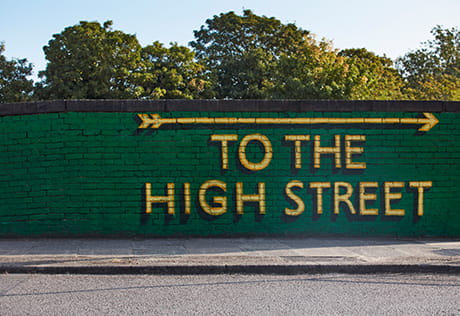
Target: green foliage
[[432, 72], [319, 72], [241, 53], [315, 71], [237, 57], [14, 85], [90, 61], [171, 73], [258, 57], [370, 77]]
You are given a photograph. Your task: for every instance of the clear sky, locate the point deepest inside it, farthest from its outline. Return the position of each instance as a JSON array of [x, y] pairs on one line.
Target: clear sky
[[390, 27]]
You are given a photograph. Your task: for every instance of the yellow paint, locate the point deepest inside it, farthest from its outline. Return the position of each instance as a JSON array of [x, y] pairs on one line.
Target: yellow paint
[[297, 139], [349, 151], [318, 151], [268, 152], [343, 193], [224, 139], [187, 198], [343, 198], [220, 200], [241, 198], [421, 186], [300, 204], [169, 198], [319, 186], [363, 197], [155, 121], [389, 196]]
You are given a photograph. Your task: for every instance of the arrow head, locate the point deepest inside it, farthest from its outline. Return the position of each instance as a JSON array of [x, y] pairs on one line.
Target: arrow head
[[430, 121], [149, 120]]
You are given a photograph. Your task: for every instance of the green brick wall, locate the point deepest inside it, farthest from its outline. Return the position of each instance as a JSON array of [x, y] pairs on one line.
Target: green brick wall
[[83, 170]]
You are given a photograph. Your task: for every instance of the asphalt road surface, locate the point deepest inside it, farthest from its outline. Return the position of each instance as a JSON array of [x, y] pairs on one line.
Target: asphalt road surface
[[333, 294]]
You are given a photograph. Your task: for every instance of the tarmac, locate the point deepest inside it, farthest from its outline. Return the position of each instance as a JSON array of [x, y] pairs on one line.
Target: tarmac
[[255, 255]]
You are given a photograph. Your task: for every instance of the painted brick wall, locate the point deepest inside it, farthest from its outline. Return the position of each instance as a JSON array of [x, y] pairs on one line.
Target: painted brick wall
[[86, 168]]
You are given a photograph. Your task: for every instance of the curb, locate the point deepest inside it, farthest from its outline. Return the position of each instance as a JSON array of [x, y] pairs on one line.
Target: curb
[[237, 269]]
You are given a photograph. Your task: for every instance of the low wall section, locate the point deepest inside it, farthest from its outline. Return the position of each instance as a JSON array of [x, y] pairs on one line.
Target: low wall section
[[206, 167]]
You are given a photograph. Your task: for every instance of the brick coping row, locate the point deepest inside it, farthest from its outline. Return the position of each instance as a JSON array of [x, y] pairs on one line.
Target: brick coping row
[[63, 106]]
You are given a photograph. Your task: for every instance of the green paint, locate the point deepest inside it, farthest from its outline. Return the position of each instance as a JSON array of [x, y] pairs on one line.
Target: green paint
[[85, 173]]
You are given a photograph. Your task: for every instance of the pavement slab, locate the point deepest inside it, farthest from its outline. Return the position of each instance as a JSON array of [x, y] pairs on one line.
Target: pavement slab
[[229, 255]]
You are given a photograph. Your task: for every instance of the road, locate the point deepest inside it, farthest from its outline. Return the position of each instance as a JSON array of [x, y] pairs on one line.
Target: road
[[332, 294]]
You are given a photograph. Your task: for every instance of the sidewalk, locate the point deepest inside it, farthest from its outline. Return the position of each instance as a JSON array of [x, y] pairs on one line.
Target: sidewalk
[[282, 255]]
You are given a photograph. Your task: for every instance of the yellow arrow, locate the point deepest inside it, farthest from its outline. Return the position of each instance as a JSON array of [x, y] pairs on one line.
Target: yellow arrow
[[155, 121]]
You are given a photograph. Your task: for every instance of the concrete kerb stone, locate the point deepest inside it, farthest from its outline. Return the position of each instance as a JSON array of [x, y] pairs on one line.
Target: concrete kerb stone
[[238, 269]]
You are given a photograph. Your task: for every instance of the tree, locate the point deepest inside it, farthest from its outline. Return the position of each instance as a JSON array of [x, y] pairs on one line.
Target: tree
[[171, 73], [432, 72], [252, 56], [89, 60], [241, 52], [370, 76], [320, 72], [315, 71], [14, 85]]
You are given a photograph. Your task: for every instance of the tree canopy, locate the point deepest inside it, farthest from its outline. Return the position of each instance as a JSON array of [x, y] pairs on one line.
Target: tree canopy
[[14, 83], [90, 61], [240, 53], [314, 71], [171, 73], [233, 56], [432, 72], [252, 56], [370, 76]]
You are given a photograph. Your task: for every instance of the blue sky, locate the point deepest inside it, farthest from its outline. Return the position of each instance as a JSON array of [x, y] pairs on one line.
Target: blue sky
[[391, 27]]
